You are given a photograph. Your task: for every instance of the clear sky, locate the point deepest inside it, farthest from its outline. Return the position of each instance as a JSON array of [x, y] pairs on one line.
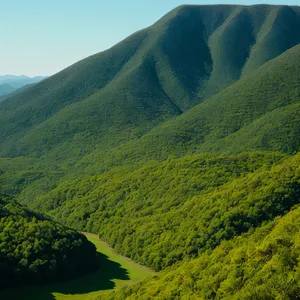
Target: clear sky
[[40, 37]]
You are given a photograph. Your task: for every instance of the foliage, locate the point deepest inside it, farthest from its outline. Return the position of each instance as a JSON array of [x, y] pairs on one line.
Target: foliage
[[260, 111], [121, 94], [144, 144], [34, 249], [115, 272], [263, 264], [163, 213]]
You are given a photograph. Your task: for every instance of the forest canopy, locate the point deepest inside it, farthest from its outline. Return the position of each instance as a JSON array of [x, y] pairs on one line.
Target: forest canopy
[[34, 249]]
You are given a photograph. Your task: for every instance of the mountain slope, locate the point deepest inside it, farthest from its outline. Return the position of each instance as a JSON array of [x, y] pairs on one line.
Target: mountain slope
[[262, 264], [115, 145], [243, 116], [158, 73], [166, 212], [278, 130]]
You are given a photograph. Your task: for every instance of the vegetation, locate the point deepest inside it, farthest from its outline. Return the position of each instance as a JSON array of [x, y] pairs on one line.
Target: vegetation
[[121, 94], [5, 89], [258, 112], [115, 272], [262, 264], [36, 250], [164, 213], [179, 147]]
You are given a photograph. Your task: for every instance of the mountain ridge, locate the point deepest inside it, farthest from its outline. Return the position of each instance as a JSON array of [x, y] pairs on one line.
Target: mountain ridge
[[145, 63], [202, 128], [12, 83]]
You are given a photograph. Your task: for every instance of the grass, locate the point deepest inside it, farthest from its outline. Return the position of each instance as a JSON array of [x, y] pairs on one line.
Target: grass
[[115, 272]]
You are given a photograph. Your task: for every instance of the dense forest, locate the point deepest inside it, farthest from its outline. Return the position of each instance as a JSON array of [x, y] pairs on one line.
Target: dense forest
[[164, 212], [35, 250], [260, 265], [179, 147]]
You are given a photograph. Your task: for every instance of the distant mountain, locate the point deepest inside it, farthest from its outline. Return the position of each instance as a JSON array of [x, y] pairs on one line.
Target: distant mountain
[[6, 89], [10, 83], [19, 81]]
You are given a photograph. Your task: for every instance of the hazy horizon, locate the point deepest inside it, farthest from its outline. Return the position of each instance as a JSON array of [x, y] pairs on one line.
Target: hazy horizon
[[21, 75]]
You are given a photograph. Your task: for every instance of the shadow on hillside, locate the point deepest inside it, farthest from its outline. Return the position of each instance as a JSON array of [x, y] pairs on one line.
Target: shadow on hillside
[[99, 280]]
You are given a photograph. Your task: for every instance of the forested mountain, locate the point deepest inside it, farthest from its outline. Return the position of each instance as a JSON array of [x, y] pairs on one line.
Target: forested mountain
[[179, 147], [158, 73], [34, 249], [260, 111]]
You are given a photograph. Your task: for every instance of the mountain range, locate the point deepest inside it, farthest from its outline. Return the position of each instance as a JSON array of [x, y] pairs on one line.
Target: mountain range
[[179, 147], [12, 83]]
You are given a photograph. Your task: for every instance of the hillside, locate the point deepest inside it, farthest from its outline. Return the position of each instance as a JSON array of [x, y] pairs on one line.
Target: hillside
[[35, 250], [162, 213], [262, 264], [122, 93], [258, 112], [178, 147]]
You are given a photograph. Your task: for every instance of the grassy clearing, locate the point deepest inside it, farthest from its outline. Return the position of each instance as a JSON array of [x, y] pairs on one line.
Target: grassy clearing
[[115, 272]]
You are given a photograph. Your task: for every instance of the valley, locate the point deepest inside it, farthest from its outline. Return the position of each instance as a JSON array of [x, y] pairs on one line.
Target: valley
[[177, 150]]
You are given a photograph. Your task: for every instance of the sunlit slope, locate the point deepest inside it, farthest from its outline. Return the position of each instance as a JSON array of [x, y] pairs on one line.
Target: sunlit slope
[[277, 130], [166, 212], [262, 264]]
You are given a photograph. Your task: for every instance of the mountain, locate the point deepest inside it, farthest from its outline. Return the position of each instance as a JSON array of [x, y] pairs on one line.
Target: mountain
[[259, 112], [11, 83], [179, 146], [19, 81], [155, 74], [6, 89]]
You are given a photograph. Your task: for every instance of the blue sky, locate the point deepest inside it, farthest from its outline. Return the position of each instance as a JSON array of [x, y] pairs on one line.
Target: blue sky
[[42, 37]]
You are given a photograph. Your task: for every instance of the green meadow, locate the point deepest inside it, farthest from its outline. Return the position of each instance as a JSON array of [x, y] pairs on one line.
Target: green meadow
[[115, 272]]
